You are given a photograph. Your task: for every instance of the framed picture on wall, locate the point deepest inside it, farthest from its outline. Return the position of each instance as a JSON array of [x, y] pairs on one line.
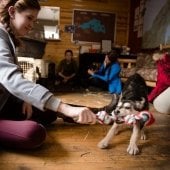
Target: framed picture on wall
[[93, 26]]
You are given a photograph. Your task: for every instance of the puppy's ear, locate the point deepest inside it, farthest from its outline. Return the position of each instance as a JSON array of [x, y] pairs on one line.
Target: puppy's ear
[[139, 105]]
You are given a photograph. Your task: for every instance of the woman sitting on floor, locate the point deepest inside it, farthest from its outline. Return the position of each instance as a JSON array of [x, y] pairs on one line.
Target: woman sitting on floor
[[107, 77]]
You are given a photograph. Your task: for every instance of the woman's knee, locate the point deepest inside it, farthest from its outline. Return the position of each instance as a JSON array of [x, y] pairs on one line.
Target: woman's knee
[[161, 103], [35, 135], [21, 134]]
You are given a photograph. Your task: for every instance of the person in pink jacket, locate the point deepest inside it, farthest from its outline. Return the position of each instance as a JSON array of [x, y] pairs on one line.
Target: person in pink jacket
[[163, 75], [160, 94]]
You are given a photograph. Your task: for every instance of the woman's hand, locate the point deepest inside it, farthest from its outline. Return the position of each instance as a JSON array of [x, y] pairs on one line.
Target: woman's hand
[[91, 72], [84, 116], [27, 110], [81, 115]]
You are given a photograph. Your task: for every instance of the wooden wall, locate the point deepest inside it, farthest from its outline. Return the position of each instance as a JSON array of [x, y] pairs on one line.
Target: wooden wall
[[55, 49]]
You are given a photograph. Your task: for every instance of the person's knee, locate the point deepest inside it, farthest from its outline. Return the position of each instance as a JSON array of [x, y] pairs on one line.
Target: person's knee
[[161, 102], [35, 135], [21, 134], [161, 107]]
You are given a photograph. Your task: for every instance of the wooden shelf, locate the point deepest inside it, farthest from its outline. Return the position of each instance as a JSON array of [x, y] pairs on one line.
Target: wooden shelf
[[31, 47], [33, 39]]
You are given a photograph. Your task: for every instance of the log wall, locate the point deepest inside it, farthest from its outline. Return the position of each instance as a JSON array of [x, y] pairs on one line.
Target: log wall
[[55, 49]]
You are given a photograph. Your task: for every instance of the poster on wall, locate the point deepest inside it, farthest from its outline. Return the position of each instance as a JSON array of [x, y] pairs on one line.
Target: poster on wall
[[138, 21], [156, 26], [93, 26]]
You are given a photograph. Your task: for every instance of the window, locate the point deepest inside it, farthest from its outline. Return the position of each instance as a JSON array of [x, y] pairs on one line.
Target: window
[[47, 25]]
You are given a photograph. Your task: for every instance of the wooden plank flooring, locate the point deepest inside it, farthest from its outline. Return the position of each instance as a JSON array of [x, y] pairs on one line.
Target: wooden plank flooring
[[74, 147]]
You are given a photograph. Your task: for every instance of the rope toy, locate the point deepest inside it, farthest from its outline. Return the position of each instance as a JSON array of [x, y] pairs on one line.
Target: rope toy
[[147, 117], [104, 118]]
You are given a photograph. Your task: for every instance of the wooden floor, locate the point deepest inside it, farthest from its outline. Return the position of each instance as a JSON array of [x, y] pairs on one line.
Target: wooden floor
[[74, 146]]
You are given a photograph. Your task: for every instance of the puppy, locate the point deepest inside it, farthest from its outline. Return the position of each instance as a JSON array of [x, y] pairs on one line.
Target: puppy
[[132, 100]]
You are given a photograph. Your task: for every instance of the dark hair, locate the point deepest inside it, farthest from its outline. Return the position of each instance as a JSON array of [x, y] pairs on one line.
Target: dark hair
[[69, 51], [113, 55], [19, 5]]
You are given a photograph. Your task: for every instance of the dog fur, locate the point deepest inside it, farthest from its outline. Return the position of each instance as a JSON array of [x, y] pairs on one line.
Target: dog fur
[[132, 100]]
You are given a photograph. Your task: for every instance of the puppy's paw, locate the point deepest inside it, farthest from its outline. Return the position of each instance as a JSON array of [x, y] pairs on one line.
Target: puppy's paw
[[102, 144], [116, 131], [143, 136], [132, 149]]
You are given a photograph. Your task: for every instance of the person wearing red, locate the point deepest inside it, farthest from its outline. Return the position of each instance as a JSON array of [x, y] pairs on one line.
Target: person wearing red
[[163, 75], [159, 95]]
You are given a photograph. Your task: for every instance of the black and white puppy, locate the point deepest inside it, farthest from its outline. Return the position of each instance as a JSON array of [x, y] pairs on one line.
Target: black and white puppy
[[132, 100]]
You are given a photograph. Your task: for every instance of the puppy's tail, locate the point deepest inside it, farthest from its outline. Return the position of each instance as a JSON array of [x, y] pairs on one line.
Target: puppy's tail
[[110, 107]]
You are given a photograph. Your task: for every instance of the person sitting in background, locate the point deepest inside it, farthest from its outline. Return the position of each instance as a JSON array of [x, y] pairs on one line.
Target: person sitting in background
[[67, 70], [107, 77], [160, 94]]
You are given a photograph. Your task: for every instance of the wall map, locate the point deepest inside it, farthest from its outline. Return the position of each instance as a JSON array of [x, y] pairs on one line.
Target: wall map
[[93, 26]]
